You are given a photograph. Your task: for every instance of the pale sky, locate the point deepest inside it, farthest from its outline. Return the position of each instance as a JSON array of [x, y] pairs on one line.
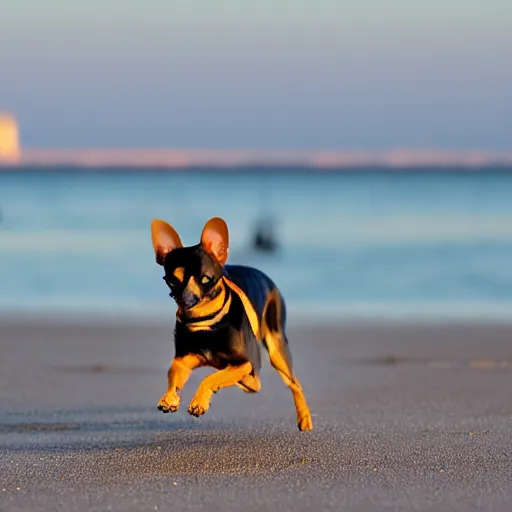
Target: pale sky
[[258, 73]]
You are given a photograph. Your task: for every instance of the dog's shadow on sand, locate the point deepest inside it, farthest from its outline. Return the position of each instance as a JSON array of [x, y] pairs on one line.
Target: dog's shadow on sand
[[131, 445]]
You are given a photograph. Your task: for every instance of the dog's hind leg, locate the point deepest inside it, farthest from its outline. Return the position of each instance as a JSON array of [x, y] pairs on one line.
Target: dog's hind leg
[[275, 340], [281, 361]]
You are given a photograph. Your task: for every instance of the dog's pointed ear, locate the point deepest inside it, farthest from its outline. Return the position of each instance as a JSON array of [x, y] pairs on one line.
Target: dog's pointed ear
[[164, 238], [215, 239]]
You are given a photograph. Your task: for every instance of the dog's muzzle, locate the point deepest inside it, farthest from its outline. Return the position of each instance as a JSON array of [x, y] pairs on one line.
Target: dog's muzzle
[[189, 300]]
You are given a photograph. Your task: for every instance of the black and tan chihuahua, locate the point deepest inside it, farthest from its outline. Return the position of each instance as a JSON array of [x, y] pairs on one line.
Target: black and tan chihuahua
[[225, 312]]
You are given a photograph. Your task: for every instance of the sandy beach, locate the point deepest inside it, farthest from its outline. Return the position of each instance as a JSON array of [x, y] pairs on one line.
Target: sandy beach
[[407, 417]]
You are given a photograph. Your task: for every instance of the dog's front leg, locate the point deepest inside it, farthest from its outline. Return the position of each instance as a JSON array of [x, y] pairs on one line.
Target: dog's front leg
[[178, 374], [211, 384]]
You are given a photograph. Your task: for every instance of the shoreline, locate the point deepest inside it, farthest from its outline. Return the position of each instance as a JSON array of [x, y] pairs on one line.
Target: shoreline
[[327, 313]]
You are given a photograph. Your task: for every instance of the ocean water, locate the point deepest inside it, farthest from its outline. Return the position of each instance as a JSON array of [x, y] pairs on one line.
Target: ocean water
[[387, 244]]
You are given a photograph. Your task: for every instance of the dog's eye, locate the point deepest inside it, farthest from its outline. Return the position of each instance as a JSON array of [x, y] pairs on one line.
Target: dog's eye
[[205, 279]]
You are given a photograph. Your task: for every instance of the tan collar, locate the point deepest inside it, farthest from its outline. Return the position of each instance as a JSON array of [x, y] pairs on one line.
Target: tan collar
[[204, 323]]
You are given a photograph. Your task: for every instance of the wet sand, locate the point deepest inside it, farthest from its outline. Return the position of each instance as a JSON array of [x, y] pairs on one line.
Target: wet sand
[[407, 417]]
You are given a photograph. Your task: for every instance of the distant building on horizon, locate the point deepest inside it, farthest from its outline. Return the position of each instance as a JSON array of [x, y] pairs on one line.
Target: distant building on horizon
[[10, 151]]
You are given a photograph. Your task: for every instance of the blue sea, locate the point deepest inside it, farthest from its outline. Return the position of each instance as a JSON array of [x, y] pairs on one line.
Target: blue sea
[[429, 244]]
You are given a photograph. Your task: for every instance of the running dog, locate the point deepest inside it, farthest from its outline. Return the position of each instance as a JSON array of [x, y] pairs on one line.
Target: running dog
[[225, 313]]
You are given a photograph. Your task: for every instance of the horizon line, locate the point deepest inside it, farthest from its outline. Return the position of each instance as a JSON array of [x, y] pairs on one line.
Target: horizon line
[[209, 157]]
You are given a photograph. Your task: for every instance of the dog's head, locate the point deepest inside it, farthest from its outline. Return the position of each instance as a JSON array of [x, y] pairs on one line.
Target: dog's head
[[193, 274]]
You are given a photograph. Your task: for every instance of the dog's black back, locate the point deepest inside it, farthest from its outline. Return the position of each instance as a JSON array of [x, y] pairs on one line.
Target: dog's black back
[[258, 288]]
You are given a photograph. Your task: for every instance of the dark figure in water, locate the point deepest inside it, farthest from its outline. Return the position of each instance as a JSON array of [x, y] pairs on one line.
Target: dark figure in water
[[264, 239]]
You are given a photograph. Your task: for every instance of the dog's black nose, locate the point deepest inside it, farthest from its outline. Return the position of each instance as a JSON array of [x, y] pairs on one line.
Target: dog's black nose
[[190, 299]]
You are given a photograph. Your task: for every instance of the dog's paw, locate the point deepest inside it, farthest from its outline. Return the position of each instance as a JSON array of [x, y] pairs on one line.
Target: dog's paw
[[170, 402], [305, 423], [198, 408]]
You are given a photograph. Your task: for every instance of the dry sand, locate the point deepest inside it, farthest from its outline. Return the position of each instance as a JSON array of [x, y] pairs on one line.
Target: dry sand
[[411, 417]]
